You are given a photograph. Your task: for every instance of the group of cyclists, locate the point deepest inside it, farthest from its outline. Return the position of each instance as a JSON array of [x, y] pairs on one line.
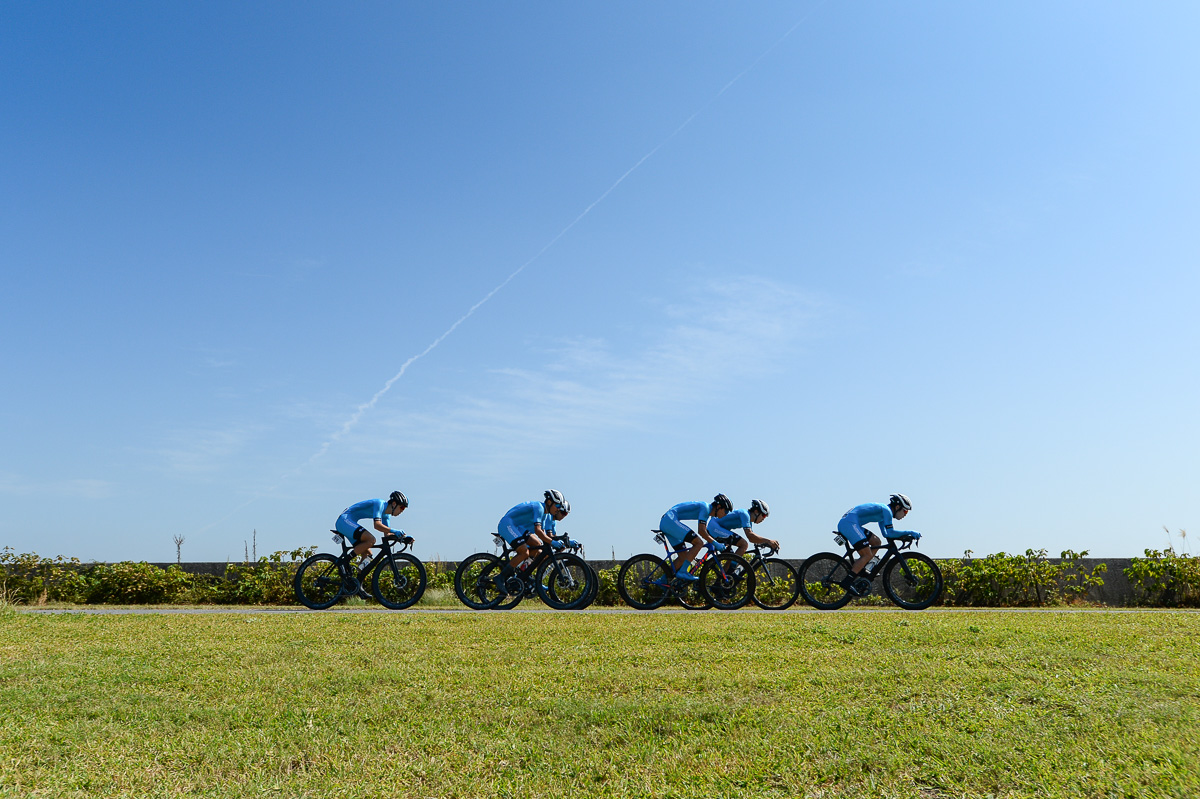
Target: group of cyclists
[[529, 526]]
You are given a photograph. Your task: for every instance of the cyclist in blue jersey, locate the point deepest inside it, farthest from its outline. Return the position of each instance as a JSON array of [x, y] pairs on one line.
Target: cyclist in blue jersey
[[865, 542], [725, 528], [679, 534], [524, 525], [357, 535]]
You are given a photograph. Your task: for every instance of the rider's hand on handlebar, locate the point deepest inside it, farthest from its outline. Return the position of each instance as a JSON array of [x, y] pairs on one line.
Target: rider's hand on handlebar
[[717, 546], [558, 545]]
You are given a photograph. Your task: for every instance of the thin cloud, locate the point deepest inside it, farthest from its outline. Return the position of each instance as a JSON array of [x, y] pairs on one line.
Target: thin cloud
[[81, 488], [588, 388]]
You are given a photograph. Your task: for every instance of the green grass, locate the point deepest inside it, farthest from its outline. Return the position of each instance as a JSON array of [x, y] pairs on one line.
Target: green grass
[[548, 705]]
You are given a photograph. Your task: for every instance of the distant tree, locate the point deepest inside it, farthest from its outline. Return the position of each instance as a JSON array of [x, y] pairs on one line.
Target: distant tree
[[178, 539]]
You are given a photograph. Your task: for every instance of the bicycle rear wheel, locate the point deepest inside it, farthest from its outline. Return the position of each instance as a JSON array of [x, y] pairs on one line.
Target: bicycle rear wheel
[[912, 580], [727, 581], [398, 581], [689, 595], [820, 578], [318, 582], [564, 581], [474, 581], [776, 586], [642, 582]]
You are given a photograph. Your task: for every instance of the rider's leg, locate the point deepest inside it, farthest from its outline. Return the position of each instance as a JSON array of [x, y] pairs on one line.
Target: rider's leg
[[866, 554], [682, 564], [742, 545], [365, 542]]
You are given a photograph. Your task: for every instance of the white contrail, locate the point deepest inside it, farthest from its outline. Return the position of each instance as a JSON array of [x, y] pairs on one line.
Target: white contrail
[[349, 424], [366, 406]]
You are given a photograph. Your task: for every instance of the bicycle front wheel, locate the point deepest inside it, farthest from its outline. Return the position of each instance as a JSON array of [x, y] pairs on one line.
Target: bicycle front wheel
[[727, 581], [318, 582], [474, 581], [912, 580], [820, 581], [776, 586], [564, 582], [643, 582], [399, 581], [595, 589]]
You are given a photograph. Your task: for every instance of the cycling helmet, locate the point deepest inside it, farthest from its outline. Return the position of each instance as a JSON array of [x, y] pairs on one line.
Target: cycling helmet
[[761, 507], [723, 502], [558, 499], [399, 499], [900, 500]]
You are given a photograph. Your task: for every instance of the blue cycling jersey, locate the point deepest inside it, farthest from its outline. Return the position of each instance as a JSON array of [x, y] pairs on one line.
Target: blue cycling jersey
[[851, 523], [521, 519], [730, 523], [347, 522], [697, 511], [548, 523]]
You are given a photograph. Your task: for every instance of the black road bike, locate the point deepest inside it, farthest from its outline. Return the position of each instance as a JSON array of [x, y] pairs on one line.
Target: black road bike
[[559, 577], [397, 579], [647, 581], [911, 580]]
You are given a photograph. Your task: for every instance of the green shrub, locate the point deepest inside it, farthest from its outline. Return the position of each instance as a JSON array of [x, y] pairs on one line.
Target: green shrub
[[1165, 579], [129, 583], [1003, 580], [607, 594], [266, 581], [29, 578]]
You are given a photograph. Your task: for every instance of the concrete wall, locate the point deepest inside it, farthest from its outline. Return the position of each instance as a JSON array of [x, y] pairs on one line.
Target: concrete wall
[[1115, 591]]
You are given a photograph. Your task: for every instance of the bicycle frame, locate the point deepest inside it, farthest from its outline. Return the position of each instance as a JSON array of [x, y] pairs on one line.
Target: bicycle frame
[[673, 554], [892, 550], [538, 556], [359, 575]]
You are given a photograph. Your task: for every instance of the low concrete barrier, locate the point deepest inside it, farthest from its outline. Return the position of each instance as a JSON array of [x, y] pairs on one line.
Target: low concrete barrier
[[1116, 590]]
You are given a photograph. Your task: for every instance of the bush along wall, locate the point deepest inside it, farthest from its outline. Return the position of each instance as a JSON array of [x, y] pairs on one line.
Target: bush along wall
[[1165, 579], [1160, 579], [1003, 580], [30, 579]]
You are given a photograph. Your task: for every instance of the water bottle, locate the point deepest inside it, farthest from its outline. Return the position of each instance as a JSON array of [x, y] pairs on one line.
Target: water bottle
[[871, 566]]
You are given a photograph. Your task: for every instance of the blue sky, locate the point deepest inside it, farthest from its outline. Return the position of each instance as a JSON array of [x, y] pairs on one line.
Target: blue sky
[[940, 248]]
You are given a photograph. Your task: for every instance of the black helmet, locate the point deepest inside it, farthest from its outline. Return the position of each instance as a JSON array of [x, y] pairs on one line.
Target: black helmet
[[761, 507], [900, 501], [398, 499], [723, 502]]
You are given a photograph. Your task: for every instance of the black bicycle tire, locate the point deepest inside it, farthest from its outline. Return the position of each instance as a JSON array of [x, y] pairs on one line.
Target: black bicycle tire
[[384, 569], [628, 568], [547, 593], [814, 563], [593, 591], [890, 570], [790, 595], [470, 595], [720, 575], [305, 567]]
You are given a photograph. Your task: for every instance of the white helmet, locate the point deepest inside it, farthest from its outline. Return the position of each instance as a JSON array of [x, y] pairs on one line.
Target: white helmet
[[901, 500], [761, 507], [558, 499]]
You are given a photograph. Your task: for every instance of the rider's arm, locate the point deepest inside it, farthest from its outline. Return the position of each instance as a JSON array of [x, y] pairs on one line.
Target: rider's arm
[[755, 538], [702, 528], [383, 528]]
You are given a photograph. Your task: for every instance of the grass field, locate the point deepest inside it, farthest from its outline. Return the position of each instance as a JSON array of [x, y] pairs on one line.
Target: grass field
[[547, 705]]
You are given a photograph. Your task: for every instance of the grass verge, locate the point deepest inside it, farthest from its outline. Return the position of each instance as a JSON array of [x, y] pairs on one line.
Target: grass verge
[[664, 705]]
